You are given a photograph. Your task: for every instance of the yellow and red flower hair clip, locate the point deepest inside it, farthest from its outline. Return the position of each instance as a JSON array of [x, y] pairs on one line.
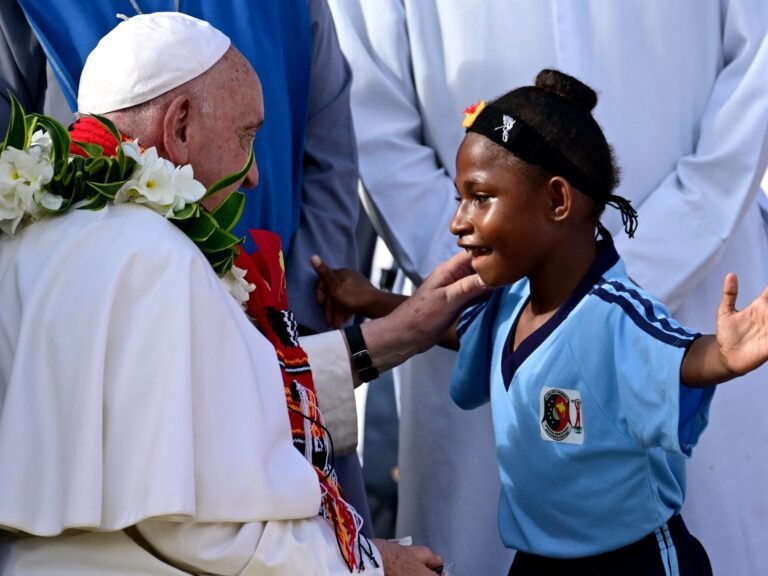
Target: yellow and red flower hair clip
[[472, 112]]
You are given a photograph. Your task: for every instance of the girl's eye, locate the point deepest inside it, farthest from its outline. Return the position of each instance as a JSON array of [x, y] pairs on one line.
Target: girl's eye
[[474, 199]]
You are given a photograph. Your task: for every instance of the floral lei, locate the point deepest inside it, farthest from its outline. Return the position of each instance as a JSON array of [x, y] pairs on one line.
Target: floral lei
[[39, 178]]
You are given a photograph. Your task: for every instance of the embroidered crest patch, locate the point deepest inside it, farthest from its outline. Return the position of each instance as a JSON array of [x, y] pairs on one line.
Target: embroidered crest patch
[[560, 416]]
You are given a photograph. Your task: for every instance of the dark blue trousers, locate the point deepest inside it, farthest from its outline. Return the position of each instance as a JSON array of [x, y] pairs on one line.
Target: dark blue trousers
[[654, 555]]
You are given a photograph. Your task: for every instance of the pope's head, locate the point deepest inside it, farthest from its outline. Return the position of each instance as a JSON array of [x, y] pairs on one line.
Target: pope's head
[[176, 83]]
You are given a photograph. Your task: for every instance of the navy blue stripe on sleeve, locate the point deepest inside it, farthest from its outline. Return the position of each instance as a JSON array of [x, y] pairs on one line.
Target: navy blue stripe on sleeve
[[468, 316], [647, 306], [678, 340]]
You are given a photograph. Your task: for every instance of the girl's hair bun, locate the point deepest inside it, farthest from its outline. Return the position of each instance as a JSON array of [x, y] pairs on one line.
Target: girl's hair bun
[[558, 108], [567, 87]]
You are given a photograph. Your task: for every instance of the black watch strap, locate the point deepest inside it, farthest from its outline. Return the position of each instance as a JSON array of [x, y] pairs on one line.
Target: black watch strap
[[360, 357]]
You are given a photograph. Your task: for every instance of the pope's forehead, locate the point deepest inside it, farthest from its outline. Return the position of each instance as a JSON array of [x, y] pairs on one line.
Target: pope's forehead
[[234, 69], [240, 96]]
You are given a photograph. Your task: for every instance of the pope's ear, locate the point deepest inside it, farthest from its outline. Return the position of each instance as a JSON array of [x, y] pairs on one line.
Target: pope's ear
[[177, 130]]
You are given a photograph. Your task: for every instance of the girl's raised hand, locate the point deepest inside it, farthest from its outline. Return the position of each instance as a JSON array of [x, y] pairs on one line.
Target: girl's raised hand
[[742, 335]]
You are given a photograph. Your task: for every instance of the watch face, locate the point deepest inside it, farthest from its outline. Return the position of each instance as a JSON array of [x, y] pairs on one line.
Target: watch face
[[364, 366]]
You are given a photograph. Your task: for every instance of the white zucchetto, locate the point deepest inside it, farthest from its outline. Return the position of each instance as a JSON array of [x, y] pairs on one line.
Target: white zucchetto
[[146, 56]]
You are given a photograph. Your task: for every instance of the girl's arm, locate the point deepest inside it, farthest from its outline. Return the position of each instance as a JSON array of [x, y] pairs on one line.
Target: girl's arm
[[343, 293], [739, 346]]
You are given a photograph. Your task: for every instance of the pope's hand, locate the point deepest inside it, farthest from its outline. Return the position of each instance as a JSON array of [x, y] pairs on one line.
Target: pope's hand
[[423, 320], [440, 299], [407, 560]]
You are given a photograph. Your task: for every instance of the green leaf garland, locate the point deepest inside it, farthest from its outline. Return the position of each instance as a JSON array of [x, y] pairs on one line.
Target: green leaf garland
[[91, 183]]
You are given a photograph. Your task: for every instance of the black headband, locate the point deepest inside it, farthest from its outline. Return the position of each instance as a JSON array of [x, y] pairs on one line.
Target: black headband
[[526, 143]]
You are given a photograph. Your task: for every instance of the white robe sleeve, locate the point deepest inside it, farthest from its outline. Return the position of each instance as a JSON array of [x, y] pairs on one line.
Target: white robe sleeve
[[276, 548], [332, 375], [409, 194], [694, 210]]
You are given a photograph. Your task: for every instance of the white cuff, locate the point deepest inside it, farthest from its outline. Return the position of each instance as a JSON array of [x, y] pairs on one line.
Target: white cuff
[[298, 547], [332, 374]]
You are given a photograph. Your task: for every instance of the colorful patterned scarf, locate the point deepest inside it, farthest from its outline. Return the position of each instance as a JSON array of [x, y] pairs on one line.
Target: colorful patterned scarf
[[268, 308]]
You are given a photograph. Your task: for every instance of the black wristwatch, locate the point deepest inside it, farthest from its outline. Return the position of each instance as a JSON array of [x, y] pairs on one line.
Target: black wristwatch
[[360, 357]]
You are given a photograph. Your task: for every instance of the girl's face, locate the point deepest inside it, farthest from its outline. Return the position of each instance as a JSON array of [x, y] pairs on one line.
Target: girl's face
[[501, 219]]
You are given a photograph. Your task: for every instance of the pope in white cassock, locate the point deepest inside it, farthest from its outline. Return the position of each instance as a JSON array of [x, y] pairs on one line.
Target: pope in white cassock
[[143, 419]]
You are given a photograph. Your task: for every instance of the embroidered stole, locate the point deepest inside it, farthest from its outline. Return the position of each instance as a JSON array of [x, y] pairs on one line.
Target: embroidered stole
[[268, 308]]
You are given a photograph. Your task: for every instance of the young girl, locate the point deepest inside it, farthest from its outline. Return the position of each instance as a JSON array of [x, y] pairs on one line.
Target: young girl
[[598, 396]]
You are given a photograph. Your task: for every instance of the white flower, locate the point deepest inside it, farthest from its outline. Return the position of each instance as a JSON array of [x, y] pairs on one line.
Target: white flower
[[188, 190], [157, 183], [42, 140], [133, 150], [23, 175], [150, 183], [238, 286], [49, 201]]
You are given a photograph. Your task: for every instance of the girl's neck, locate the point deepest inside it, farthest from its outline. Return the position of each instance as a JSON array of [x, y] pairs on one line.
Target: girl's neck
[[558, 277]]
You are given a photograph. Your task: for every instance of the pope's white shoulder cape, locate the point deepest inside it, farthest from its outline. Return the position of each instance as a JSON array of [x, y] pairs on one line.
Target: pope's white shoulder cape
[[133, 386]]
